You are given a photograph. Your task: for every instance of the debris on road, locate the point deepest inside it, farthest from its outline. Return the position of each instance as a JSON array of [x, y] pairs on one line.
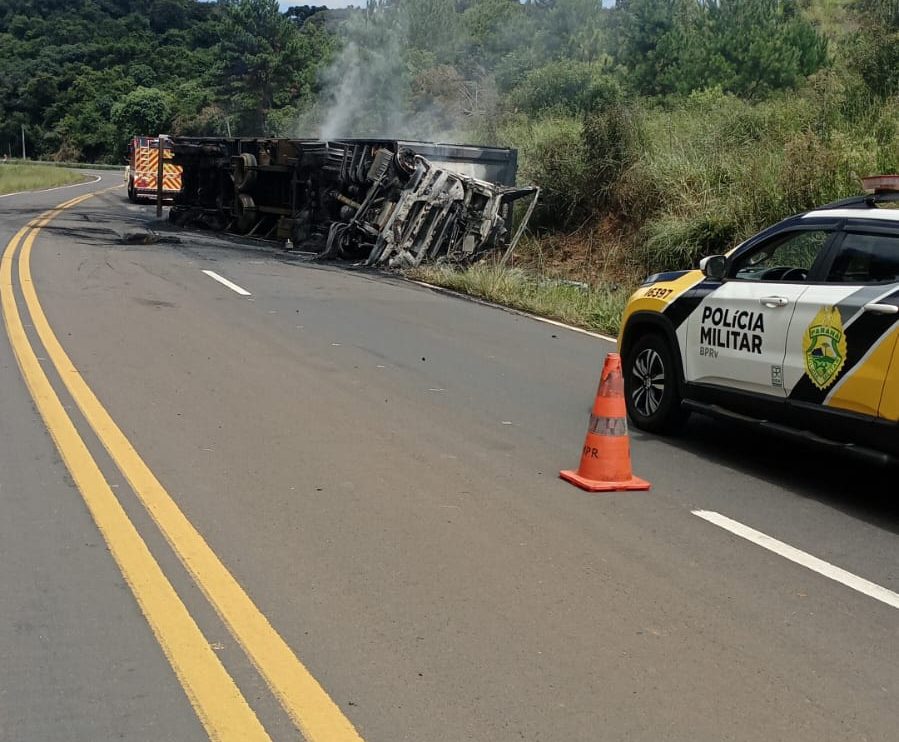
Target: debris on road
[[149, 237], [378, 202]]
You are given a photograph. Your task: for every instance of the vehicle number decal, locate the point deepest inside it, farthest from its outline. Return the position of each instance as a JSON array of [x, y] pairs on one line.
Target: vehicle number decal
[[658, 293]]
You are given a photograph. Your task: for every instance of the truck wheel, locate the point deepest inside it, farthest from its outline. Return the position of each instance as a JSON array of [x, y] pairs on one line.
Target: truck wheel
[[651, 386], [244, 172], [132, 194], [245, 211]]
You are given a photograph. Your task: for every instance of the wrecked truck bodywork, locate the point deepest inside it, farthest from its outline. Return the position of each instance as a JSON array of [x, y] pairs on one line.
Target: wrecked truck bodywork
[[386, 203]]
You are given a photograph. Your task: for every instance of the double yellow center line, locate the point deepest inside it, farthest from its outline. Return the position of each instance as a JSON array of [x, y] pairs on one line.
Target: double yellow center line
[[218, 702]]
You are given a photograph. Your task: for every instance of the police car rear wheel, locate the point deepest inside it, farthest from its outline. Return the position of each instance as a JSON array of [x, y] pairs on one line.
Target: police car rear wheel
[[650, 386]]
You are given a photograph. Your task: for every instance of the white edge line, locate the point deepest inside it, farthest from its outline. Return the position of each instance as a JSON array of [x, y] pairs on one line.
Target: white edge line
[[866, 587], [520, 312], [225, 282], [56, 188]]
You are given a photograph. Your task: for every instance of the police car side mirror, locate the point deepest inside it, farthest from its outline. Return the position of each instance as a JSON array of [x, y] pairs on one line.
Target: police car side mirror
[[714, 266]]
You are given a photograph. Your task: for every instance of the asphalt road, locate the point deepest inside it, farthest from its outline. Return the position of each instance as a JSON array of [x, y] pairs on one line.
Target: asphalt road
[[376, 466]]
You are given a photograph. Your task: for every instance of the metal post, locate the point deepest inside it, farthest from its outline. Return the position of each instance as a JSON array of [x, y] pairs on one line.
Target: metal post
[[524, 222], [159, 174], [23, 142]]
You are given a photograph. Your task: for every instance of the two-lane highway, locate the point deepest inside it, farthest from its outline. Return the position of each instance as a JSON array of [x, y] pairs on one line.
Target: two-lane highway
[[349, 485]]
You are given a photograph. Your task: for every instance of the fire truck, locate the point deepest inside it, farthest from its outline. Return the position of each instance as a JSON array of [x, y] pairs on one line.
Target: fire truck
[[143, 167]]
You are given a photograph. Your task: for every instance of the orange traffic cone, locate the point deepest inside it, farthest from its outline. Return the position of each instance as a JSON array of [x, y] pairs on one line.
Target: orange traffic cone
[[606, 459]]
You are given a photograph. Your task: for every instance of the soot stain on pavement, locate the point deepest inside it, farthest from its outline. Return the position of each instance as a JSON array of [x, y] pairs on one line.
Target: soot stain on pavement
[[155, 303]]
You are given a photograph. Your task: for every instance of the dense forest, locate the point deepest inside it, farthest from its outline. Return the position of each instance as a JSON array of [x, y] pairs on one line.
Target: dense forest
[[657, 128], [83, 76]]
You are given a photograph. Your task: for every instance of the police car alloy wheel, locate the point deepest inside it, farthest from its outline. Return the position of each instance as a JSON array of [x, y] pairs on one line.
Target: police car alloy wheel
[[650, 386]]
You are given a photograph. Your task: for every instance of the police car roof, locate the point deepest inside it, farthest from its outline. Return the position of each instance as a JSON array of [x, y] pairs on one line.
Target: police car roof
[[888, 215]]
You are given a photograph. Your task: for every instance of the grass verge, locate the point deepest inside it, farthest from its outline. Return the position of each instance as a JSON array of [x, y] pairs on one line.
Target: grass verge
[[15, 178], [593, 307]]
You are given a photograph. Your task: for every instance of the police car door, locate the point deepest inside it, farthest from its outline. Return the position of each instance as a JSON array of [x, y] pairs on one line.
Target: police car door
[[840, 345], [737, 336]]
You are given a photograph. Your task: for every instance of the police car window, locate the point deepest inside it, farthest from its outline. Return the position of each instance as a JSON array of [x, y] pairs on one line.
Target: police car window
[[788, 258], [866, 258]]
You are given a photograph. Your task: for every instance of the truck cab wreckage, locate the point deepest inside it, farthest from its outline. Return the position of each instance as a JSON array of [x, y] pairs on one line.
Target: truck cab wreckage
[[378, 202]]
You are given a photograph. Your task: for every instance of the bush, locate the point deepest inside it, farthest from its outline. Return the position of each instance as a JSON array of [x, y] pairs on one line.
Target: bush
[[671, 241], [552, 154], [568, 87], [710, 170], [612, 140], [818, 170], [874, 54], [708, 174]]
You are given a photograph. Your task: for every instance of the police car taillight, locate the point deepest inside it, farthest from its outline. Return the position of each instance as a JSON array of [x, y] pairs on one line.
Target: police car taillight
[[881, 184]]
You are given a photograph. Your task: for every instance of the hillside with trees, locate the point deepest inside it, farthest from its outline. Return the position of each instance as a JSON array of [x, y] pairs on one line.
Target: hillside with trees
[[83, 76], [658, 129]]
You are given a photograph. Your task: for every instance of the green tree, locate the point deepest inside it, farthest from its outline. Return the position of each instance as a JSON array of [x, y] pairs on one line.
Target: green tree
[[748, 47], [766, 44], [79, 123], [263, 59], [573, 29], [64, 65], [142, 111], [873, 50], [573, 87], [433, 26]]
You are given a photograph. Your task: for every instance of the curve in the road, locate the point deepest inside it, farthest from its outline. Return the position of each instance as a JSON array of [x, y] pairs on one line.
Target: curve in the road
[[97, 179], [219, 704], [217, 700]]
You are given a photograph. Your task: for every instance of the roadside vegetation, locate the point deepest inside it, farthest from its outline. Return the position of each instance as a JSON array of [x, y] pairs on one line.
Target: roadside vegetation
[[659, 130], [593, 306], [25, 177]]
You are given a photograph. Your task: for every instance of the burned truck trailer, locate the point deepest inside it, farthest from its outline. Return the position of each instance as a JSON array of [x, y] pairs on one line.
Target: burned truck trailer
[[382, 202]]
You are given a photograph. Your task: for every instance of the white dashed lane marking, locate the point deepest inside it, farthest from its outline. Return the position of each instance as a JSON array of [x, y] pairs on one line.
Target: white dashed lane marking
[[225, 282], [837, 574]]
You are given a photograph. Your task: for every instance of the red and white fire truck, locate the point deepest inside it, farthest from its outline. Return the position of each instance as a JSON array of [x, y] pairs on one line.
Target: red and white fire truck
[[143, 167]]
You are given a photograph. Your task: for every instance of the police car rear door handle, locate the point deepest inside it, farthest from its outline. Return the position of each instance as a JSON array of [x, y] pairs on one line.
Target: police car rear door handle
[[881, 308], [774, 301]]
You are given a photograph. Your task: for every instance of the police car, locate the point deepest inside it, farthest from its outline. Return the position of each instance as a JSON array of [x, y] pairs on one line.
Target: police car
[[794, 330]]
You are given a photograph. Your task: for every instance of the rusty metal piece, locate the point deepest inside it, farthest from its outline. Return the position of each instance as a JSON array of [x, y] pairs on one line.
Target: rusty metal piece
[[347, 200]]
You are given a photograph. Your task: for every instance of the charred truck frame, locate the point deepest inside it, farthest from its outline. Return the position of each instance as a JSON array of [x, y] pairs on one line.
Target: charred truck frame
[[382, 202]]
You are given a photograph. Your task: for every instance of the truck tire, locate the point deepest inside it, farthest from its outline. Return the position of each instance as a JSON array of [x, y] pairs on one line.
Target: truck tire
[[244, 172], [245, 211], [132, 194]]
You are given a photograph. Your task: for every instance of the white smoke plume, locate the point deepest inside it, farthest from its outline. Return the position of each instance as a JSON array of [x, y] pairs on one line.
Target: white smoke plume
[[365, 87], [378, 87]]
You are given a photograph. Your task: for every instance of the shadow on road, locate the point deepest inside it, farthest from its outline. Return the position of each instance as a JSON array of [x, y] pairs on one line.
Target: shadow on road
[[857, 488]]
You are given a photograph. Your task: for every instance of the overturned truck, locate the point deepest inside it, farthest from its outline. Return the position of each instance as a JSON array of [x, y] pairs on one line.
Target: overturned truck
[[382, 202]]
